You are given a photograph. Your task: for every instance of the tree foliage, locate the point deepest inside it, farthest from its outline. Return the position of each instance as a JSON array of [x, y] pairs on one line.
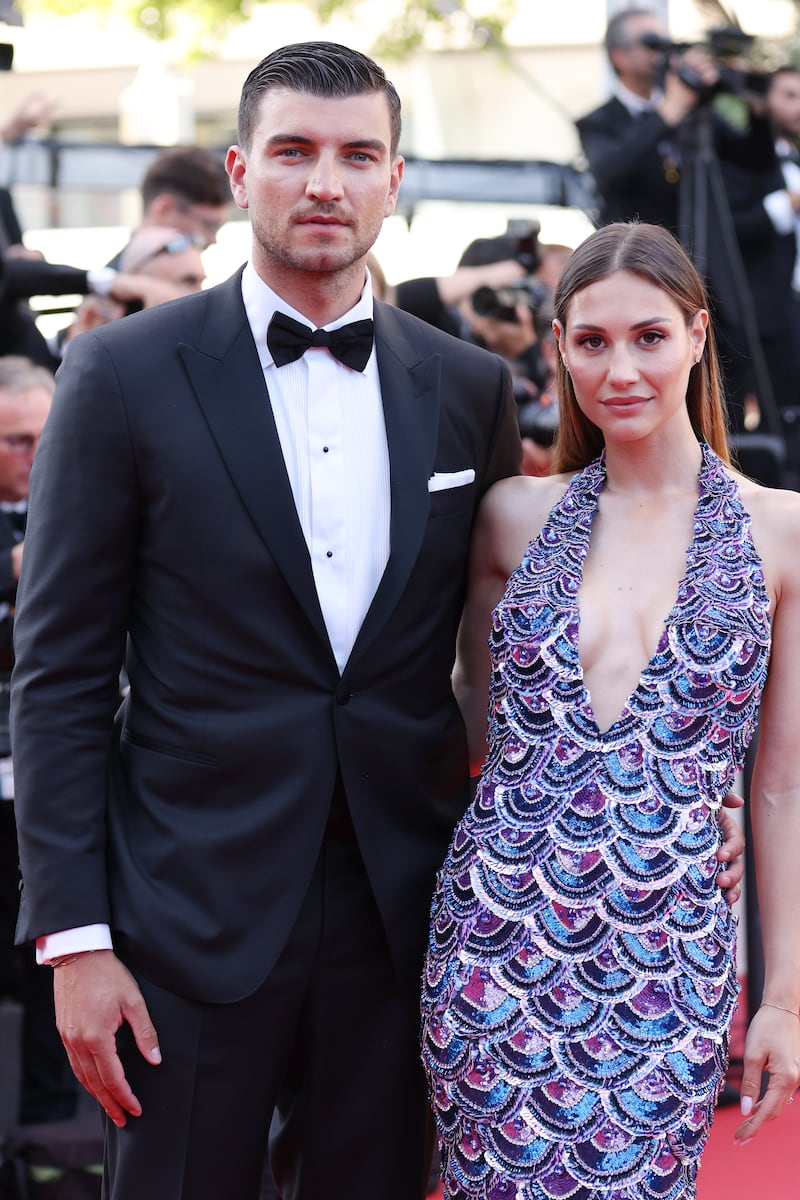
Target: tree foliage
[[411, 23], [202, 23]]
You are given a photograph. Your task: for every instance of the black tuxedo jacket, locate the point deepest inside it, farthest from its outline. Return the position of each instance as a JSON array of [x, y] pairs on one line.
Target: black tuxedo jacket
[[628, 155], [768, 257], [192, 821]]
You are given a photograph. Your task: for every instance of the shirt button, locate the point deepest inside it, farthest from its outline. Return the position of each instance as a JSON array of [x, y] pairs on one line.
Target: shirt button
[[329, 554], [325, 449]]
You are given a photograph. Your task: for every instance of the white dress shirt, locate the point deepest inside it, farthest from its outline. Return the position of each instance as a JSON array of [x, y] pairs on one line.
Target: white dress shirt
[[333, 436], [779, 204]]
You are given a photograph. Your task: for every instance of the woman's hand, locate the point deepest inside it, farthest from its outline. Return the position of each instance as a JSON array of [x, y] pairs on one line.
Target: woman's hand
[[772, 1045]]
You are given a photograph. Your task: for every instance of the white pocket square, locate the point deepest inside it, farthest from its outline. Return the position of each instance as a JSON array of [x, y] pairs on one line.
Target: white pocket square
[[450, 479]]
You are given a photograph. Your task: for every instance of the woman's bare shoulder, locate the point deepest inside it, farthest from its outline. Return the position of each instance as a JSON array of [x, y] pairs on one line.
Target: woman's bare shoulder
[[513, 512], [775, 523]]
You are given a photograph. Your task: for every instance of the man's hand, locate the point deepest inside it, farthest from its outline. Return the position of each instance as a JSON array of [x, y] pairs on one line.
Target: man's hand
[[34, 109], [16, 559], [94, 995], [731, 850], [143, 288], [679, 97]]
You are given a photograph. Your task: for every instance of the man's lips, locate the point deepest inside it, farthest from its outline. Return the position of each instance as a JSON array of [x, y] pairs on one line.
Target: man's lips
[[320, 219]]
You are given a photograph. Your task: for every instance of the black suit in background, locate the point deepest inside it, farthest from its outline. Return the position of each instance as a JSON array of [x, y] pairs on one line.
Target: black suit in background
[[49, 1090], [249, 799], [632, 160], [21, 278], [768, 258], [636, 160]]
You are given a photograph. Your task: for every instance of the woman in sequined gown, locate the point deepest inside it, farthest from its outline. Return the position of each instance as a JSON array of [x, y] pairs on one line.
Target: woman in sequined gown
[[580, 979]]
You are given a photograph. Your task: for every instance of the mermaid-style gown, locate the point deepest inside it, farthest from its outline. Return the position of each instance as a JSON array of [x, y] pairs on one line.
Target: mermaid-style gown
[[580, 979]]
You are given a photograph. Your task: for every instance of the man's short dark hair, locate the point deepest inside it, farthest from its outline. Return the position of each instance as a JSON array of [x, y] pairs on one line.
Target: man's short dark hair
[[192, 173], [320, 69], [617, 34], [785, 69]]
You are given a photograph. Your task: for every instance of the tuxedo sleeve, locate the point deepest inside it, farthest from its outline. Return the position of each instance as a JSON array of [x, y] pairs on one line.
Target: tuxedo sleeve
[[621, 154], [505, 449], [745, 190], [70, 629], [26, 277]]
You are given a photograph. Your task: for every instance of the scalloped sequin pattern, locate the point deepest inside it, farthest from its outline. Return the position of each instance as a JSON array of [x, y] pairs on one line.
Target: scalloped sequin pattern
[[580, 979]]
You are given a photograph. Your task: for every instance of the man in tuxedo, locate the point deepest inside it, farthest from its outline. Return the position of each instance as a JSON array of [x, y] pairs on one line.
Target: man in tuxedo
[[231, 876], [637, 143], [764, 205]]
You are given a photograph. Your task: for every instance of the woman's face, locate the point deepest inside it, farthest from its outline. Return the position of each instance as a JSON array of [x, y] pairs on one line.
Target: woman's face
[[629, 353]]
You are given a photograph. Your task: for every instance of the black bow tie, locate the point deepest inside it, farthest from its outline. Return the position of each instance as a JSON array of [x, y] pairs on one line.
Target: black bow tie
[[288, 340]]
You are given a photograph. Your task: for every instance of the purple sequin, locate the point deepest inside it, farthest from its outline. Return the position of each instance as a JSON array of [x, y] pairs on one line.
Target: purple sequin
[[580, 980]]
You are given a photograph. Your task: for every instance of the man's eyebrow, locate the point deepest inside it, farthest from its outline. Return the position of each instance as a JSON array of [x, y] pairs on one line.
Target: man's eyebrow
[[299, 139]]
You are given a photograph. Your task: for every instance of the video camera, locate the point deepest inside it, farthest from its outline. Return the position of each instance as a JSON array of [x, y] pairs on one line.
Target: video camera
[[722, 44], [501, 303]]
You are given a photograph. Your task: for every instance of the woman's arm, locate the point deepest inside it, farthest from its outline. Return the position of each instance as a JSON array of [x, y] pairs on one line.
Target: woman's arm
[[773, 1039], [511, 514]]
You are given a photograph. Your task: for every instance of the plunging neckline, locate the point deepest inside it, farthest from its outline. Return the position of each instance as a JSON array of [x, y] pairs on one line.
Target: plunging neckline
[[663, 638]]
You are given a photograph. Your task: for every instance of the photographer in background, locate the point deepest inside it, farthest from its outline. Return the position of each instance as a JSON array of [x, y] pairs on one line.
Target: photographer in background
[[495, 299], [635, 143], [158, 264], [765, 206], [537, 415]]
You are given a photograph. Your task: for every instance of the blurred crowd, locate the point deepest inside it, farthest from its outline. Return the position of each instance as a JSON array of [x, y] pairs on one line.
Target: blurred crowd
[[725, 177]]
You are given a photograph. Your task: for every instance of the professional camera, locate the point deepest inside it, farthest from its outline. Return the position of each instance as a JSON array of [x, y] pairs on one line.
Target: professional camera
[[501, 303], [537, 419], [722, 44], [520, 242]]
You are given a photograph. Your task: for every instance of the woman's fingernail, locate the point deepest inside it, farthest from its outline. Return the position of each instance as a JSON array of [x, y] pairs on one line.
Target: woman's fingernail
[[746, 1106]]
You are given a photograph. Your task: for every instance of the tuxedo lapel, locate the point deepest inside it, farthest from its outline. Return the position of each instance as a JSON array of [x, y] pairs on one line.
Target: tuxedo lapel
[[410, 390], [226, 375]]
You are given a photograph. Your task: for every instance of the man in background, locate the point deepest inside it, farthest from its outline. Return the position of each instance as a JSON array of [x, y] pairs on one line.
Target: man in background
[[765, 205], [637, 143], [186, 188], [48, 1089], [157, 265]]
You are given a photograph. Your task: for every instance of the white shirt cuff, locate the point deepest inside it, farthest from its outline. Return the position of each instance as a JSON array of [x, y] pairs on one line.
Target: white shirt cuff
[[73, 941], [779, 210], [100, 280]]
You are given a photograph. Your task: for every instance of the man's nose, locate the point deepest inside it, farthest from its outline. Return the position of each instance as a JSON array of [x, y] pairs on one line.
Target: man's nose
[[325, 181]]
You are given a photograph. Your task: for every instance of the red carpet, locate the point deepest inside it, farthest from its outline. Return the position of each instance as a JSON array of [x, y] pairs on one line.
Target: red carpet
[[768, 1168]]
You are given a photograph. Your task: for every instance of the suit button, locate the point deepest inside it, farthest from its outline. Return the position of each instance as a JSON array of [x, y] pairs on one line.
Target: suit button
[[343, 694]]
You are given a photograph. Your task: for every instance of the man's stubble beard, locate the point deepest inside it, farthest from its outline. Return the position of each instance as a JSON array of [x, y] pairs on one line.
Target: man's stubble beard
[[278, 252]]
